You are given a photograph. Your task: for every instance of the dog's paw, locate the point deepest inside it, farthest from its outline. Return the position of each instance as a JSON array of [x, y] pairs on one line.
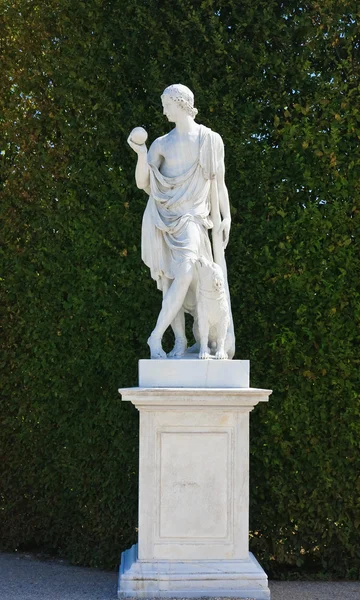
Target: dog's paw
[[221, 355]]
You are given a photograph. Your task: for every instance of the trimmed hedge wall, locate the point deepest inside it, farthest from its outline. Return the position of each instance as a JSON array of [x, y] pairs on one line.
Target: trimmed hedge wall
[[279, 82]]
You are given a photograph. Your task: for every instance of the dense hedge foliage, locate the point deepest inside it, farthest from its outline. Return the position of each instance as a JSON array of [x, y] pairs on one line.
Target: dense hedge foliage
[[280, 82]]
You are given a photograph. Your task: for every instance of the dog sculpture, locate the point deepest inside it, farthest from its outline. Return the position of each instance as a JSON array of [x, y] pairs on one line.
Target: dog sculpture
[[212, 318]]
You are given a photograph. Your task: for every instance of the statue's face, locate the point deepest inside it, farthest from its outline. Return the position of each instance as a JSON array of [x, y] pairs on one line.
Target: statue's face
[[172, 111]]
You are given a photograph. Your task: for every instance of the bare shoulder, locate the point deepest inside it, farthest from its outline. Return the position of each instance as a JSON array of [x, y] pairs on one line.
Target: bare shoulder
[[155, 153], [158, 147], [155, 147]]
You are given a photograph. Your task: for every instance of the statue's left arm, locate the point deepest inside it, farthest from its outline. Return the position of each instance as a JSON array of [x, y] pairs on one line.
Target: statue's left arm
[[223, 195]]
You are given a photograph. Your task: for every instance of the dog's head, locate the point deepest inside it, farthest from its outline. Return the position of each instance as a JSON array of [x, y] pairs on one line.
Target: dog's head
[[218, 278], [210, 275]]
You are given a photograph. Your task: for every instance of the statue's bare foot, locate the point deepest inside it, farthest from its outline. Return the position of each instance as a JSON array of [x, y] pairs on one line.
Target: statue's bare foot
[[221, 354], [204, 353], [155, 346], [194, 349], [179, 348]]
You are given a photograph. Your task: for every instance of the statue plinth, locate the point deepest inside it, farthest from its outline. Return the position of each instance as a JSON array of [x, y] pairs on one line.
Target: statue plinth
[[193, 489], [191, 372]]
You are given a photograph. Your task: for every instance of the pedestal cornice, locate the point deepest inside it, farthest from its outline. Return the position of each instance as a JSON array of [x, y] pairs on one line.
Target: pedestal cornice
[[191, 398]]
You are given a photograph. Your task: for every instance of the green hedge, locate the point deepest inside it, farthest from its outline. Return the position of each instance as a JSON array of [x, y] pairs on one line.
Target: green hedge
[[279, 82]]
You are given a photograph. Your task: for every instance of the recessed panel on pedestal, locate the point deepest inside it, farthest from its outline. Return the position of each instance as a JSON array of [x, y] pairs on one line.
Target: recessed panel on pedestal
[[194, 486]]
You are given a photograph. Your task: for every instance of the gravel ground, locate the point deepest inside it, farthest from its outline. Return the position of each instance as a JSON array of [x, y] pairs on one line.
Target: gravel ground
[[24, 577]]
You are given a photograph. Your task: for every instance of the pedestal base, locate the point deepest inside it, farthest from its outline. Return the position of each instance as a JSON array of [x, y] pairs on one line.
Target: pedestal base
[[191, 579]]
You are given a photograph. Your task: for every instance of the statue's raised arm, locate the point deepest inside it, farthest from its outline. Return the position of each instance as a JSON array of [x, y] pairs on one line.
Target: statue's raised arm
[[183, 173]]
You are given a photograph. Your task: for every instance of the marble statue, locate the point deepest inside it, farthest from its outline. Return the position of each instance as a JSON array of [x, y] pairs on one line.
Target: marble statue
[[183, 174]]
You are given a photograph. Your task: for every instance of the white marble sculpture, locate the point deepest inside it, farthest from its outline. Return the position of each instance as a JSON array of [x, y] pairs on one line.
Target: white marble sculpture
[[183, 174]]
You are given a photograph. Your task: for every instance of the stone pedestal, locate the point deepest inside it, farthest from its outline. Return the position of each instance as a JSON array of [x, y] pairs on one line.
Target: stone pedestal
[[194, 487]]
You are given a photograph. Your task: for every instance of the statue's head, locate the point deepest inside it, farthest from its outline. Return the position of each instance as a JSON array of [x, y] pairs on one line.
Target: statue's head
[[178, 97]]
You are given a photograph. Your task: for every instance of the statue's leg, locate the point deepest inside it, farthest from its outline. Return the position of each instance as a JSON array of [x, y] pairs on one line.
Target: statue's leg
[[171, 306], [195, 348], [177, 325]]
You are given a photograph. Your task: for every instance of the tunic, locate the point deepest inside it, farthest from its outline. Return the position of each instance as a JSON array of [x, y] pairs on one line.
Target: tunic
[[178, 213]]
